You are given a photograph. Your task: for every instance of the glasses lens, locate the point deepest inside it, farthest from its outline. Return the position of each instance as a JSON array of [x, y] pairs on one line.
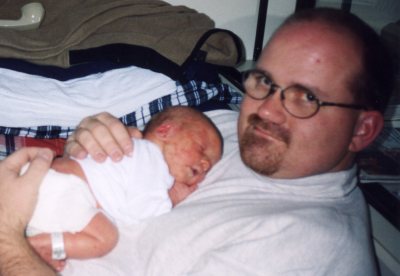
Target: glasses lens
[[299, 102], [256, 84]]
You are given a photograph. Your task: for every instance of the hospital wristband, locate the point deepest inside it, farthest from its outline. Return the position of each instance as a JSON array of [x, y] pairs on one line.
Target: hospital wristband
[[57, 246]]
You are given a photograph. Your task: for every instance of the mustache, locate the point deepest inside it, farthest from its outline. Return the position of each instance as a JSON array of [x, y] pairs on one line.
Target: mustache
[[276, 131]]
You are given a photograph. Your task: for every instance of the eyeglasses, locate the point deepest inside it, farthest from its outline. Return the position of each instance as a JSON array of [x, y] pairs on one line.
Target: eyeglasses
[[297, 100]]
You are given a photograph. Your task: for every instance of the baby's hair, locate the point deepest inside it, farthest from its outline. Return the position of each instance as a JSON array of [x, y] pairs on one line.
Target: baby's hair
[[183, 114]]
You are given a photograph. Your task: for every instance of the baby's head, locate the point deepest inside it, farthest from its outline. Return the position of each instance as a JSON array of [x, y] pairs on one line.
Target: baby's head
[[191, 145]]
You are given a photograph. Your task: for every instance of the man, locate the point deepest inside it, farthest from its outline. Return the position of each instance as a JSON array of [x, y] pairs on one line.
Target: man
[[285, 202]]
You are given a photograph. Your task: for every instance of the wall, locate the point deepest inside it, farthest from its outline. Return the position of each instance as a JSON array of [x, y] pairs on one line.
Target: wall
[[240, 16], [377, 13]]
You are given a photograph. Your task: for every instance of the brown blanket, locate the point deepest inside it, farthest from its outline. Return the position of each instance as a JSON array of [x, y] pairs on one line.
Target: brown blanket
[[75, 24]]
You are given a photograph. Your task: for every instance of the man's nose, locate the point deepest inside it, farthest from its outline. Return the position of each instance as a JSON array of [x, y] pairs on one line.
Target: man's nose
[[271, 108]]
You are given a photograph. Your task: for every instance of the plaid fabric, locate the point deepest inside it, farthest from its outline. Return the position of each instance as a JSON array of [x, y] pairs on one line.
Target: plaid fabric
[[192, 93], [10, 143]]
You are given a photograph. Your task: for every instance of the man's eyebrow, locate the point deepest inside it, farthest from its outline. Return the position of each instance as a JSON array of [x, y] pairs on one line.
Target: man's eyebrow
[[315, 90], [265, 73], [312, 88]]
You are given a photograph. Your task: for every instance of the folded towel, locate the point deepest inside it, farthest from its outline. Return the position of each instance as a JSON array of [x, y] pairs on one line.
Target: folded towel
[[74, 24]]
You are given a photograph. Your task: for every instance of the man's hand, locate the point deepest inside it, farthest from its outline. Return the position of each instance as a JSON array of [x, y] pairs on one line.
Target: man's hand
[[18, 192], [18, 197], [100, 136]]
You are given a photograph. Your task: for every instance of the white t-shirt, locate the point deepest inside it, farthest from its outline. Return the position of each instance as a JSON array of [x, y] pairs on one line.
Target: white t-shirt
[[240, 223]]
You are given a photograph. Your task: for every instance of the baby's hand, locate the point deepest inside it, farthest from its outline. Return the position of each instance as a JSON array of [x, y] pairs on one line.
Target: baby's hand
[[42, 245], [179, 191]]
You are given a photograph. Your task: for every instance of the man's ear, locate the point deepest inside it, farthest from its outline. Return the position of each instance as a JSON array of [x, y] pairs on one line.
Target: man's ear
[[368, 126]]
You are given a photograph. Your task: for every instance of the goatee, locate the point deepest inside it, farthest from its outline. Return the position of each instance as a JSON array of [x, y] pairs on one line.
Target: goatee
[[259, 153]]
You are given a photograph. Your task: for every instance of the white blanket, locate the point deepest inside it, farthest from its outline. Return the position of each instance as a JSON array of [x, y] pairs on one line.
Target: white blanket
[[28, 100]]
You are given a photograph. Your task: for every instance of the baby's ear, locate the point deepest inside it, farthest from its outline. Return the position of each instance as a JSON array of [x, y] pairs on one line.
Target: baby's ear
[[165, 130], [369, 125]]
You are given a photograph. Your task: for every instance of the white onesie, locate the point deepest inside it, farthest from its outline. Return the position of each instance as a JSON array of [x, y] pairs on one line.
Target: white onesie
[[128, 191]]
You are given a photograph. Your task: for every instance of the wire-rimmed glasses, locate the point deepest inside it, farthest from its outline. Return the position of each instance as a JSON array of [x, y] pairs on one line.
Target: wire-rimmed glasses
[[297, 100]]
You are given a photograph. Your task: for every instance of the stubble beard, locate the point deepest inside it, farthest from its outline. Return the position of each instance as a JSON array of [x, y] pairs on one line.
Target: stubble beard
[[262, 155]]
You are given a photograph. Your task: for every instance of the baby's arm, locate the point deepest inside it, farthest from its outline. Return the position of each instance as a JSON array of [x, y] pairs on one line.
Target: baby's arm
[[97, 239]]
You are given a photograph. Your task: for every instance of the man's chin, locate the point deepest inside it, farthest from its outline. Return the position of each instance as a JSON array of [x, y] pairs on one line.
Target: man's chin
[[258, 167], [259, 155]]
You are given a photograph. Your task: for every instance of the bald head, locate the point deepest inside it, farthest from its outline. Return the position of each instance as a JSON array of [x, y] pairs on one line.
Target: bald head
[[373, 83]]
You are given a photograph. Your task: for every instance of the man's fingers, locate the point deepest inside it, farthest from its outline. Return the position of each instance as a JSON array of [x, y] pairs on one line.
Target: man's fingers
[[73, 148], [81, 143], [121, 136], [101, 135], [19, 191], [134, 132], [39, 164], [99, 142], [18, 159]]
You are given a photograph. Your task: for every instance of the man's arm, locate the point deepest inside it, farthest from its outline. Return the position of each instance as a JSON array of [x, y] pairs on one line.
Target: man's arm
[[18, 196], [18, 258]]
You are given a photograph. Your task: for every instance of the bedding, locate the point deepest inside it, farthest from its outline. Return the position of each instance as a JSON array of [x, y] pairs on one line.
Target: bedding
[[41, 111], [118, 91]]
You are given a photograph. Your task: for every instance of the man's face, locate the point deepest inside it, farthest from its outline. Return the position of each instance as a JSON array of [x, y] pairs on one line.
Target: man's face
[[273, 142]]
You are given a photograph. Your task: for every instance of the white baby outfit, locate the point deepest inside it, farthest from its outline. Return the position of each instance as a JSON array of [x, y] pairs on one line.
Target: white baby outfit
[[65, 203], [128, 191], [134, 188]]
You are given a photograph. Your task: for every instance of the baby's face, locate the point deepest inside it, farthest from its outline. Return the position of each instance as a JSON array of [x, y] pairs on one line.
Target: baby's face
[[190, 155]]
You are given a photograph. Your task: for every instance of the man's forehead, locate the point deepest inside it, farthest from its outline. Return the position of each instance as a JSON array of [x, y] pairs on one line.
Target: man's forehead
[[312, 32], [312, 40], [311, 50]]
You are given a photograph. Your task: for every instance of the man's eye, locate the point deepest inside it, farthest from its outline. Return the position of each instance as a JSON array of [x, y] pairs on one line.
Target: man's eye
[[266, 81], [263, 80], [310, 97], [300, 95]]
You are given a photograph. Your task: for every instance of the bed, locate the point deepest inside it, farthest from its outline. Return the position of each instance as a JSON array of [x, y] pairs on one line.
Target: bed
[[131, 58]]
